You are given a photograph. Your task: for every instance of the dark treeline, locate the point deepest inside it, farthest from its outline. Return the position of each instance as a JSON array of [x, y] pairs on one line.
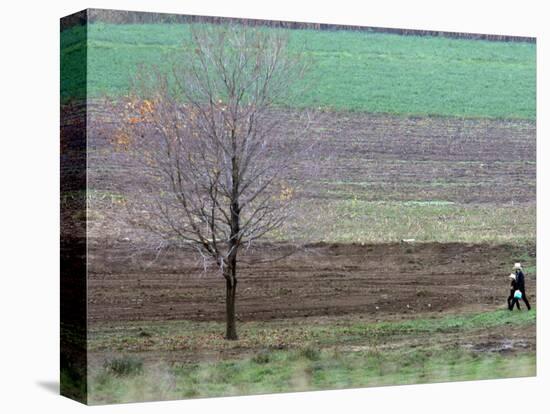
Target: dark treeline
[[129, 17]]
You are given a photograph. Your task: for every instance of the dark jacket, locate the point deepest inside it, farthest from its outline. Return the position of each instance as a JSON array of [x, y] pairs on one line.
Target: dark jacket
[[520, 280]]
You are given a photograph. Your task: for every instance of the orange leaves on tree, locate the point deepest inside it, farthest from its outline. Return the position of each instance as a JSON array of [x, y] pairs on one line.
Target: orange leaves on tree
[[121, 140], [286, 193], [146, 108]]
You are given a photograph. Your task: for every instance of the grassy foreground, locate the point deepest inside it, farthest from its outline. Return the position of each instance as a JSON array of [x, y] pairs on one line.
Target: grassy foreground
[[284, 371], [335, 353], [355, 71]]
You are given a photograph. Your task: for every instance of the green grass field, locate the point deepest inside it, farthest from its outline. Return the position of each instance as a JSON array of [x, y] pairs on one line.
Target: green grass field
[[354, 71], [324, 355]]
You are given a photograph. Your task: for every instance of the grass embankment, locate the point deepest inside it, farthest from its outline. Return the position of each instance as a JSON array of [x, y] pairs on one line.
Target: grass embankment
[[362, 221], [280, 356], [355, 71], [352, 220]]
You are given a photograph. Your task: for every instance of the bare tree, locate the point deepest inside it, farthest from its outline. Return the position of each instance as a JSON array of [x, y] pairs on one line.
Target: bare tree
[[207, 134]]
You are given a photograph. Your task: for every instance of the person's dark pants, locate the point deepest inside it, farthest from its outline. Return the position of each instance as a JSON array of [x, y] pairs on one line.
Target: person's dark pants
[[524, 297], [513, 301]]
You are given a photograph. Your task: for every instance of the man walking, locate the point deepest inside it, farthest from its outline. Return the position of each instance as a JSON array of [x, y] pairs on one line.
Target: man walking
[[520, 283]]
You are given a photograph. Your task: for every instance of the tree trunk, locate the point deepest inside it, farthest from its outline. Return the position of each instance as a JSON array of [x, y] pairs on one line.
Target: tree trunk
[[231, 275], [231, 325]]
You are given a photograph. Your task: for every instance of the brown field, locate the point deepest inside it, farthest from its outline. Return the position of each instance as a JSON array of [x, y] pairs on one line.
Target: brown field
[[379, 157], [378, 281]]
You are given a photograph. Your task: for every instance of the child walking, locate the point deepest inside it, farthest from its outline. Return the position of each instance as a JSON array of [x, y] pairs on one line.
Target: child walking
[[512, 299]]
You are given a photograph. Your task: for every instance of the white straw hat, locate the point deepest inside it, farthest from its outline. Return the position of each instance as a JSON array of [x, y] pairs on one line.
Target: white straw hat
[[517, 265]]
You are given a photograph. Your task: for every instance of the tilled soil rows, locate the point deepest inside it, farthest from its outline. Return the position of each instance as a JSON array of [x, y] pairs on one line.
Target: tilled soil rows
[[375, 156], [379, 280]]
